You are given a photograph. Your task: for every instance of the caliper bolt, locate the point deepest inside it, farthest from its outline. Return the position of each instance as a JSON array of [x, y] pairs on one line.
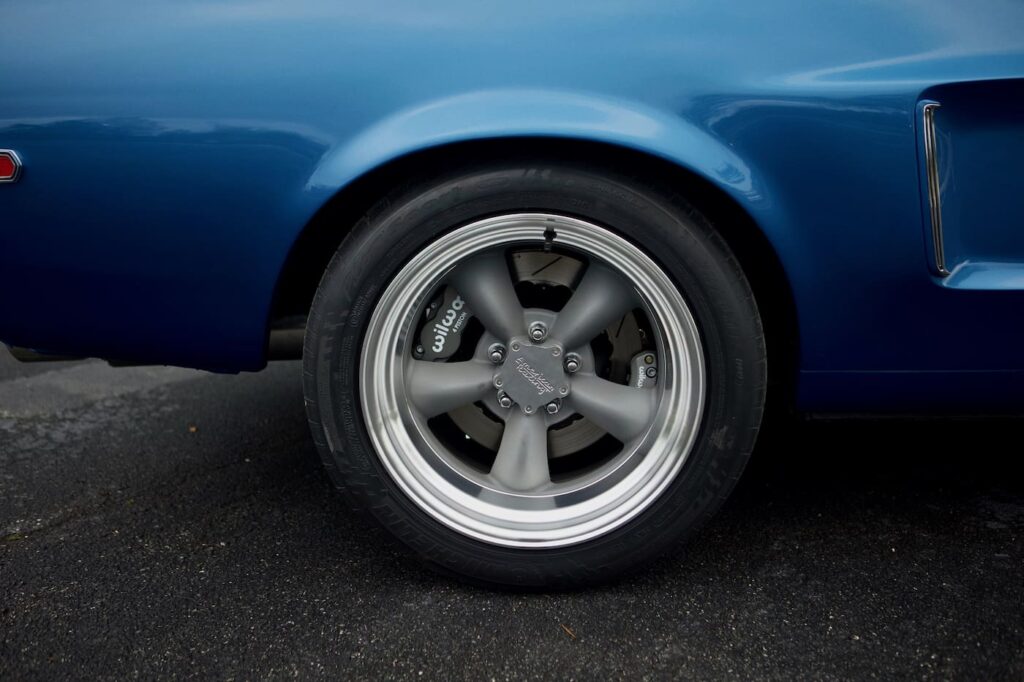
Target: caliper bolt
[[418, 351], [538, 331], [572, 363], [553, 407], [496, 353], [504, 400], [498, 382], [652, 372], [528, 409]]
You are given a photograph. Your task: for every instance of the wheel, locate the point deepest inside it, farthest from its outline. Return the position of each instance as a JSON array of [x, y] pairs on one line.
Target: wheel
[[535, 375]]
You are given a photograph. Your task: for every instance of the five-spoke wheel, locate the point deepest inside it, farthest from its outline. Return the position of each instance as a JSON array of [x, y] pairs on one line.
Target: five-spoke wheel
[[534, 375], [559, 362]]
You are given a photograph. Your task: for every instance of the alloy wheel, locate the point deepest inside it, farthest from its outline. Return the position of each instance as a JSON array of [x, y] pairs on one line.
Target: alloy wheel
[[567, 391]]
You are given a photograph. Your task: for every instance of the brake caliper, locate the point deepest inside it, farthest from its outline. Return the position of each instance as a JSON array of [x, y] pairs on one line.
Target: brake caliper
[[643, 370], [446, 320]]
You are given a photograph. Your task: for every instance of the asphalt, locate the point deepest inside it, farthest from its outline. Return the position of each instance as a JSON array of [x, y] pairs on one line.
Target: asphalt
[[157, 522]]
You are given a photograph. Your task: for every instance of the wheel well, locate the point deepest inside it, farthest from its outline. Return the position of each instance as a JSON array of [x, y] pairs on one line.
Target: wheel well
[[316, 245]]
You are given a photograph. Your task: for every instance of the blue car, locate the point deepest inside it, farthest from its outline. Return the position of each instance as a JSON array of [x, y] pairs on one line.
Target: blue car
[[545, 263]]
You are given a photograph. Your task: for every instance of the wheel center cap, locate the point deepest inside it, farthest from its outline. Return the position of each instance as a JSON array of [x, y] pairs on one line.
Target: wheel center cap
[[532, 374]]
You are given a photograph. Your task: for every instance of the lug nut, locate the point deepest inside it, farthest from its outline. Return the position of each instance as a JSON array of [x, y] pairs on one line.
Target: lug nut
[[496, 353], [572, 363], [538, 331], [553, 407], [504, 400]]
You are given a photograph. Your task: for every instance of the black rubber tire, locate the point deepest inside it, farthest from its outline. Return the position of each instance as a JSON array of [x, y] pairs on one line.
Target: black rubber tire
[[669, 229]]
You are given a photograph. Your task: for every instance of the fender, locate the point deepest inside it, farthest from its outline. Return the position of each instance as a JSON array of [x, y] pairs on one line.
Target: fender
[[493, 114]]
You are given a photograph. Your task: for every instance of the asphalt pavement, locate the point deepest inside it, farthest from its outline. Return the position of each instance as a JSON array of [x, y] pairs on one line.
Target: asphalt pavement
[[159, 522]]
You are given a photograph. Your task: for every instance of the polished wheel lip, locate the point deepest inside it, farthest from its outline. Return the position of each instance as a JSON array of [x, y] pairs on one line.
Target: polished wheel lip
[[451, 493]]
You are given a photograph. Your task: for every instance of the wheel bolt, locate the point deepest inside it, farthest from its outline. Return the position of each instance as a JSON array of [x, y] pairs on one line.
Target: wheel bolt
[[572, 363], [496, 353], [538, 331], [553, 407], [504, 400]]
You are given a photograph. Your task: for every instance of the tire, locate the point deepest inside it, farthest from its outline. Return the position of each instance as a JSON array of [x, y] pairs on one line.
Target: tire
[[370, 402]]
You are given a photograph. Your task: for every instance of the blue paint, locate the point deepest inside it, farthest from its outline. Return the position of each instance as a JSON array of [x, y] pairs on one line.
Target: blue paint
[[174, 151]]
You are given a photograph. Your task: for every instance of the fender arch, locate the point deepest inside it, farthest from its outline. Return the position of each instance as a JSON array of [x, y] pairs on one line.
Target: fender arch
[[499, 114], [473, 128]]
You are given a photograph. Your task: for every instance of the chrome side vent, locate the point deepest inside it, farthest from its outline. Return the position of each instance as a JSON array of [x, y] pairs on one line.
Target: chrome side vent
[[931, 163]]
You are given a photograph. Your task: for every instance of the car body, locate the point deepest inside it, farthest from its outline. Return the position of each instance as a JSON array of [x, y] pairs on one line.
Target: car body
[[181, 175], [174, 153]]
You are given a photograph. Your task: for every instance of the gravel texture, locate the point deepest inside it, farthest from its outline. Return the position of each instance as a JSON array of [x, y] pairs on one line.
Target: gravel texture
[[162, 522]]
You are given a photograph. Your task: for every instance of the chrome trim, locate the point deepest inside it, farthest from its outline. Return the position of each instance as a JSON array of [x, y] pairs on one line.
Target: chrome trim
[[931, 165], [13, 155]]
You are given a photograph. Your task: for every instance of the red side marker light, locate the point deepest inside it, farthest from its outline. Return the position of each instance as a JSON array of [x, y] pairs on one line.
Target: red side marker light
[[10, 165]]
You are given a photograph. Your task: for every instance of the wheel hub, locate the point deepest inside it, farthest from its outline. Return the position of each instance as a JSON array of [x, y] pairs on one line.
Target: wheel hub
[[532, 374]]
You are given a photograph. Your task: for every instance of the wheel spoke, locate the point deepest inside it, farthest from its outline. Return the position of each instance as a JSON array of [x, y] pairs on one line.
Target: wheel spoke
[[486, 285], [601, 298], [623, 411], [439, 387], [522, 460]]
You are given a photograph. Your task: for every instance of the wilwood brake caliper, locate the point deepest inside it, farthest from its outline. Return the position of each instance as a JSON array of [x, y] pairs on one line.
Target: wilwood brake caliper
[[446, 320]]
